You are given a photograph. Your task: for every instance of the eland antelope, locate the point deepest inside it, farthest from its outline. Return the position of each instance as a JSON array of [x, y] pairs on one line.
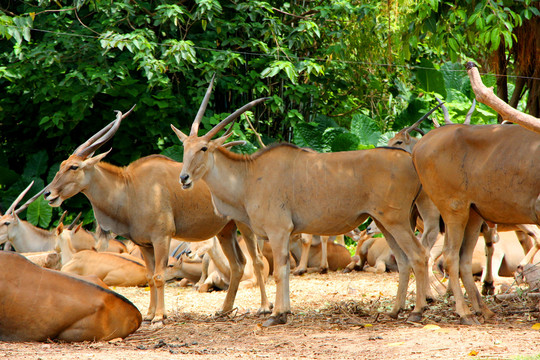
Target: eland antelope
[[27, 238], [476, 173], [40, 304], [284, 190], [145, 203]]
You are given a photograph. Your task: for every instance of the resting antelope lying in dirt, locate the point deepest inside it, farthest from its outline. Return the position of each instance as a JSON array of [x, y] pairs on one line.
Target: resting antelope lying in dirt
[[215, 272], [279, 192], [40, 304], [315, 251], [144, 202], [479, 173], [103, 241], [113, 269], [505, 253], [372, 254]]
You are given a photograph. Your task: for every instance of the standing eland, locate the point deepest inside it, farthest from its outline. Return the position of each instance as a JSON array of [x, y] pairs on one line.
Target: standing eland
[[145, 203], [477, 173], [285, 190]]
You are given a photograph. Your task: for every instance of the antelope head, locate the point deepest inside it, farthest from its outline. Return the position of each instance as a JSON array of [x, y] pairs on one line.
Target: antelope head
[[404, 140], [198, 150], [74, 173], [10, 219]]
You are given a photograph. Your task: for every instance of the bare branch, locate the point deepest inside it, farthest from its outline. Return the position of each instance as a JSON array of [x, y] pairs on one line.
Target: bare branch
[[486, 96], [255, 131]]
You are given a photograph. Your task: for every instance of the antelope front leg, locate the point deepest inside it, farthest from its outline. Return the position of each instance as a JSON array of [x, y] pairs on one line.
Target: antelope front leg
[[487, 274], [451, 252], [237, 262], [156, 259], [280, 249], [323, 268], [404, 270], [149, 260], [161, 251]]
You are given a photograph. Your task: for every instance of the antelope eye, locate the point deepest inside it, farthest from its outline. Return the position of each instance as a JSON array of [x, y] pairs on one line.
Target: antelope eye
[[399, 142], [204, 148], [73, 167], [7, 223]]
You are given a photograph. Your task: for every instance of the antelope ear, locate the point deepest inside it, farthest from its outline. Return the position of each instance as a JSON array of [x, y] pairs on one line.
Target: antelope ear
[[180, 134], [94, 160], [59, 228]]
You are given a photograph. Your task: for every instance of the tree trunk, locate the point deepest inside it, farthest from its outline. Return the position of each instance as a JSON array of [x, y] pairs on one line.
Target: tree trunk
[[502, 81]]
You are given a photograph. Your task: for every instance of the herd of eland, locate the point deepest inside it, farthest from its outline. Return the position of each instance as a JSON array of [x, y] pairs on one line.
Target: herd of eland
[[470, 178]]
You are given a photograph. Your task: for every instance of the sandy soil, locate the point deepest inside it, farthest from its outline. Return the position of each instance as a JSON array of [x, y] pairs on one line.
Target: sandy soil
[[335, 316]]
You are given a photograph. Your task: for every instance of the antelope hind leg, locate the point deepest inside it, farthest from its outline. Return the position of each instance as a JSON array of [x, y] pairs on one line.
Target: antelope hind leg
[[149, 260], [237, 262], [258, 267]]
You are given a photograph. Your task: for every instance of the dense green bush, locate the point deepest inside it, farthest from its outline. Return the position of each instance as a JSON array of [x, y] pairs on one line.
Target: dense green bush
[[334, 72]]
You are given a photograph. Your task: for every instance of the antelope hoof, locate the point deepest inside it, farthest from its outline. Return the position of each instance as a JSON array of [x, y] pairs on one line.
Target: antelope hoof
[[154, 325], [222, 314], [299, 272], [346, 270], [393, 314], [488, 314], [469, 320], [276, 320], [263, 310], [148, 318], [488, 288], [415, 317], [204, 288], [323, 271]]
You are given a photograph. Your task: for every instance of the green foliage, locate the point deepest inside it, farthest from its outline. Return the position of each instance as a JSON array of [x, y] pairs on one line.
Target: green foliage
[[430, 80], [330, 68], [365, 129], [39, 213]]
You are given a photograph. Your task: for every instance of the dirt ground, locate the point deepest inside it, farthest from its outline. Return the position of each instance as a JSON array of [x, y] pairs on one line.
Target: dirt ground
[[335, 316]]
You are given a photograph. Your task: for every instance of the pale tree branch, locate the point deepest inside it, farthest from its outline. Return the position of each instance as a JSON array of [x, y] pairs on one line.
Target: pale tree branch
[[486, 96]]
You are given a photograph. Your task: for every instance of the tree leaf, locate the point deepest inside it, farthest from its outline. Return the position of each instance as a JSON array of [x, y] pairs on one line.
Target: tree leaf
[[39, 213], [37, 164], [345, 142], [309, 135], [365, 129], [175, 152], [430, 79]]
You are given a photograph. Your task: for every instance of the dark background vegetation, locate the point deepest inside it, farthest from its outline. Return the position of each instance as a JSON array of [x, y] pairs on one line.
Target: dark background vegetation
[[341, 75]]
